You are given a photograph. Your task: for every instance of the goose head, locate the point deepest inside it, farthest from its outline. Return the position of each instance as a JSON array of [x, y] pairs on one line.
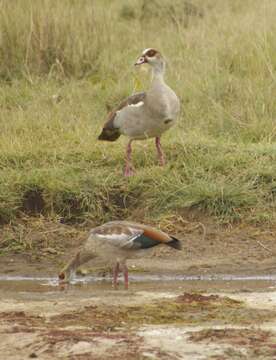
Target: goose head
[[153, 58]]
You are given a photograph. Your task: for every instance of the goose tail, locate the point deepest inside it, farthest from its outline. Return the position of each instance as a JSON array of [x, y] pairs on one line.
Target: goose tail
[[175, 243]]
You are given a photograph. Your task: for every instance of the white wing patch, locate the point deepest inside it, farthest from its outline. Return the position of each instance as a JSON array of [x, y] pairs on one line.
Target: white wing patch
[[129, 243], [122, 240], [113, 236], [140, 103]]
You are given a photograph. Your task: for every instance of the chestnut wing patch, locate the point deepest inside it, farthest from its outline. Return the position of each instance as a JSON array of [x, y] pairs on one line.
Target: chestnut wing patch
[[147, 238]]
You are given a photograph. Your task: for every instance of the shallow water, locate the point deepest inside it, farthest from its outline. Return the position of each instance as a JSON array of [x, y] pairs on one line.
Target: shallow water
[[139, 282], [145, 278]]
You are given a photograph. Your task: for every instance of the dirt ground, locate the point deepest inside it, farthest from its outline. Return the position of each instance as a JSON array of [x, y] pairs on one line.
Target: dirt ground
[[162, 316], [42, 246]]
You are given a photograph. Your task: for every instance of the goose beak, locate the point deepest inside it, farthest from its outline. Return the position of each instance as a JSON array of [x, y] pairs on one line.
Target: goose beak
[[141, 60]]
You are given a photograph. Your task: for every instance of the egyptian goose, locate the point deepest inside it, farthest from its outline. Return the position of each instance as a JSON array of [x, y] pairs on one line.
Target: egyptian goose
[[145, 114], [115, 242]]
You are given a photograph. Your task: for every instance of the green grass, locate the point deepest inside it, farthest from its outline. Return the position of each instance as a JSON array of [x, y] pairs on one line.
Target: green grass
[[64, 64]]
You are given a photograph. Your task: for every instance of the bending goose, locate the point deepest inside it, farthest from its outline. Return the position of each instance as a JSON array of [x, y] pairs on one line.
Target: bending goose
[[145, 114], [115, 242]]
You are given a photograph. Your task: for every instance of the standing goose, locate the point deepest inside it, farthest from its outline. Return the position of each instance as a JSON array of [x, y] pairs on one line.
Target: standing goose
[[145, 114], [115, 242]]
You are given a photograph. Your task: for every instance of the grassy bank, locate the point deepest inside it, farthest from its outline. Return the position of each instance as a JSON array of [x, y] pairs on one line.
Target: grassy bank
[[64, 64]]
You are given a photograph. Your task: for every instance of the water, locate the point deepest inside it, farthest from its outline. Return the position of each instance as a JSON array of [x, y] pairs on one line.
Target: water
[[48, 287], [144, 278]]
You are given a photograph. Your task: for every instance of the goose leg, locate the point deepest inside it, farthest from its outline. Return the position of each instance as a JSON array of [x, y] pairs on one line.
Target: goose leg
[[161, 156], [125, 271], [128, 169], [115, 275]]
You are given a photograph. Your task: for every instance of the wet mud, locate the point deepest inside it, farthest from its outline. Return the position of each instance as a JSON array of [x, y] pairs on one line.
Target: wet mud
[[173, 316]]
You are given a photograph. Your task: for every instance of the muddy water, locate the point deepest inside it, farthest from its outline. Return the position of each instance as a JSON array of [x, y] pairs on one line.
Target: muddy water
[[86, 286], [151, 277], [46, 319]]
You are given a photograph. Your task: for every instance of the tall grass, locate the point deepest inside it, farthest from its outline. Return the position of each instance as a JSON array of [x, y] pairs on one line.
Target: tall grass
[[64, 64]]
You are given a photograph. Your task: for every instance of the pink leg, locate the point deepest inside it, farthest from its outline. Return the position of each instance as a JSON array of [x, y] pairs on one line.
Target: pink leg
[[125, 271], [160, 153], [115, 275], [128, 169]]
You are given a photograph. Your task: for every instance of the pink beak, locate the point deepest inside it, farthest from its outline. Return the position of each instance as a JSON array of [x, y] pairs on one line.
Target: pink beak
[[141, 60]]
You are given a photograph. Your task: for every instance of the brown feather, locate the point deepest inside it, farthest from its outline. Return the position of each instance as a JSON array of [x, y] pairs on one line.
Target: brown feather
[[157, 235], [149, 231], [110, 132], [160, 236]]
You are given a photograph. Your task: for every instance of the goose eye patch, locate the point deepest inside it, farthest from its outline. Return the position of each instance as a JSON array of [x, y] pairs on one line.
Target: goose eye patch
[[151, 53]]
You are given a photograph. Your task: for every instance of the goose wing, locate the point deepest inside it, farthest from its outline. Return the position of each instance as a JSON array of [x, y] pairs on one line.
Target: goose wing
[[110, 132], [126, 236]]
